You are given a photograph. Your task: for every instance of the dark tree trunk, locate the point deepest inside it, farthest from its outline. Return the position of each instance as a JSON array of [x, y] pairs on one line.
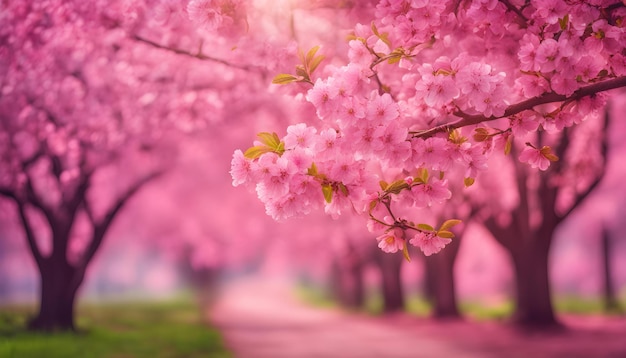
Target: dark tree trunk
[[347, 282], [532, 287], [58, 289], [393, 293], [205, 282], [440, 281], [610, 301]]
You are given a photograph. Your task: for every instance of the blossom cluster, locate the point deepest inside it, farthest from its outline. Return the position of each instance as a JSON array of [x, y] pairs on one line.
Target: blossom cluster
[[418, 82]]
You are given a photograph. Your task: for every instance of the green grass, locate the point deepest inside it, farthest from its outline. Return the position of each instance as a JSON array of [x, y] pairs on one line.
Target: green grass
[[120, 330], [420, 307], [586, 305], [315, 296]]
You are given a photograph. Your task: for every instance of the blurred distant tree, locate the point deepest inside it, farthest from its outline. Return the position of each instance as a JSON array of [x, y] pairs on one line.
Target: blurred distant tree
[[89, 116], [391, 287], [611, 303], [440, 282]]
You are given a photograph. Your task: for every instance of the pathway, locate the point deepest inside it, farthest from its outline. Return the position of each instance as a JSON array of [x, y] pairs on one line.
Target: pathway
[[262, 320]]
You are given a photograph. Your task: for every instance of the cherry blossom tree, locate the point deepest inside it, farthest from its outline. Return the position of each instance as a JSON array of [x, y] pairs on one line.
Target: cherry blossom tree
[[62, 122], [93, 109]]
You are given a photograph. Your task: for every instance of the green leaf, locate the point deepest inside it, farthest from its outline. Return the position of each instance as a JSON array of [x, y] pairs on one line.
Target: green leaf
[[405, 253], [327, 190], [449, 223], [256, 151], [563, 22], [315, 62], [397, 186], [423, 175], [301, 71], [269, 139], [508, 145], [375, 29], [280, 149], [383, 37], [343, 188], [283, 79], [310, 55], [394, 57], [383, 185], [373, 204], [469, 182], [481, 134], [425, 227], [547, 153], [312, 170], [445, 234], [301, 56], [456, 137]]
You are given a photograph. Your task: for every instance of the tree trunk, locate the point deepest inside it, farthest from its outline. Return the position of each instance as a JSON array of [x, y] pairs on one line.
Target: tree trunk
[[440, 281], [533, 294], [58, 288], [347, 283], [610, 301], [205, 282], [393, 293]]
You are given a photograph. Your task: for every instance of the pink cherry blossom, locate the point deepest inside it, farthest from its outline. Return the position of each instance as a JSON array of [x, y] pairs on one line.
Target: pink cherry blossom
[[392, 240], [299, 136], [241, 169], [381, 109], [535, 158], [428, 242], [322, 96], [425, 195]]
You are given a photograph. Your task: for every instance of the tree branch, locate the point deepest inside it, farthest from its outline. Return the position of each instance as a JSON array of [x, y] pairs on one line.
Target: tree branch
[[521, 215], [604, 152], [28, 228], [100, 228], [467, 120], [30, 234], [199, 55], [501, 234], [514, 9]]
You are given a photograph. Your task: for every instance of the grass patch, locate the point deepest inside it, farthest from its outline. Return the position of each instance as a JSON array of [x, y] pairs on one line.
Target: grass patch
[[418, 306], [315, 296], [586, 305], [480, 311], [120, 330]]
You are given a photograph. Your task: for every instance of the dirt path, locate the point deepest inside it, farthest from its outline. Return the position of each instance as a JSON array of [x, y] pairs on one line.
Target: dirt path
[[262, 320]]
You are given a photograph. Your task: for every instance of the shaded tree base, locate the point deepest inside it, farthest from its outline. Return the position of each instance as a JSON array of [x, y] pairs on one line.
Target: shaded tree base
[[40, 325], [538, 324], [447, 316]]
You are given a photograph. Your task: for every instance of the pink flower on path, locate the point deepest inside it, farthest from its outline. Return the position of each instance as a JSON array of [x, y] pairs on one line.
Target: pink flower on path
[[429, 243], [538, 158], [391, 241]]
